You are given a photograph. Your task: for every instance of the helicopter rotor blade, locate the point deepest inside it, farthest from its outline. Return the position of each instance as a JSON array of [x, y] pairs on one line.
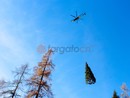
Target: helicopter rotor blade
[[77, 21], [76, 14], [73, 16]]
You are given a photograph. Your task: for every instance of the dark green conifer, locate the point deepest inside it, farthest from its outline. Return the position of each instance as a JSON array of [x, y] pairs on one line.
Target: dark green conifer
[[90, 79], [115, 95]]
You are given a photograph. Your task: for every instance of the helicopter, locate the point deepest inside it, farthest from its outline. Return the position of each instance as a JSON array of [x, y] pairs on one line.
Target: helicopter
[[77, 17]]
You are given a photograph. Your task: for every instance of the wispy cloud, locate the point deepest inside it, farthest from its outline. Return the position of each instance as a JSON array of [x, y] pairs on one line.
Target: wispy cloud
[[13, 53]]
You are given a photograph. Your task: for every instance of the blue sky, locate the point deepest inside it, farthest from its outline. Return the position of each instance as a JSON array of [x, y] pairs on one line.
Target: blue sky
[[105, 29]]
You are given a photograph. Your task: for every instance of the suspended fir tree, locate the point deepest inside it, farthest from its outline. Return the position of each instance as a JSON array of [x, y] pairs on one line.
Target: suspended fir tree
[[90, 79], [39, 82], [115, 95]]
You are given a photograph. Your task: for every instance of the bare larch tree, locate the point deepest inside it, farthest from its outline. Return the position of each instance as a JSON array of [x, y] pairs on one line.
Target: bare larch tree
[[11, 89], [125, 90]]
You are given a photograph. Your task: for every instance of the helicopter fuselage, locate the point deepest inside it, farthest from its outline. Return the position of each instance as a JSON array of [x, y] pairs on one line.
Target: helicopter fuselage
[[77, 18]]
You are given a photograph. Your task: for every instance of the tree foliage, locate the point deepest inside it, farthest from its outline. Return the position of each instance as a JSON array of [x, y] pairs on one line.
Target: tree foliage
[[39, 82], [90, 79]]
